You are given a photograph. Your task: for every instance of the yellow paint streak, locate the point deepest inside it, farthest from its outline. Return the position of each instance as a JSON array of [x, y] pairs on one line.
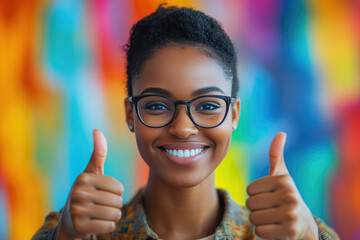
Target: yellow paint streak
[[335, 48], [233, 174]]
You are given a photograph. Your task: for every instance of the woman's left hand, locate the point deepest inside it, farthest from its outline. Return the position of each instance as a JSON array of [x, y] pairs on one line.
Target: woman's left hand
[[276, 207]]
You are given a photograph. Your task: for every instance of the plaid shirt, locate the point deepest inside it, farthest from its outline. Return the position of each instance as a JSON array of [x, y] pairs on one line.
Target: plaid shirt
[[133, 224]]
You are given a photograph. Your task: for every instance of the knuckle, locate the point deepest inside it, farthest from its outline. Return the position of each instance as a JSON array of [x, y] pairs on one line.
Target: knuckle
[[98, 154], [79, 196], [77, 212], [115, 182], [120, 202], [114, 215], [284, 181], [110, 226], [290, 199], [74, 211], [249, 203], [79, 228], [259, 232], [249, 189], [118, 215], [121, 188], [83, 179], [291, 216], [292, 230], [251, 218]]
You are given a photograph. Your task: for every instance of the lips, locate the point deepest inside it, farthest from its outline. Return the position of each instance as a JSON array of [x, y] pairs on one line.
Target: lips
[[184, 154]]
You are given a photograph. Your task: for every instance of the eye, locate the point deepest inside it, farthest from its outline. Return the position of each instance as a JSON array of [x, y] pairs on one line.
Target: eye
[[156, 106], [207, 106]]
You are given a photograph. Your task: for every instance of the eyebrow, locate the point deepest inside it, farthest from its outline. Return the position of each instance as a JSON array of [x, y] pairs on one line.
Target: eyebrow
[[160, 91], [197, 92], [205, 90]]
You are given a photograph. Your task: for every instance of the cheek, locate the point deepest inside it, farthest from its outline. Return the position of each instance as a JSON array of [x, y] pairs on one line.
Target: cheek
[[144, 137], [221, 136]]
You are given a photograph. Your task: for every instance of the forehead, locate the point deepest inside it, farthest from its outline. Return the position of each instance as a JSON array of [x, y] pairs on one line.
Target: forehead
[[181, 70]]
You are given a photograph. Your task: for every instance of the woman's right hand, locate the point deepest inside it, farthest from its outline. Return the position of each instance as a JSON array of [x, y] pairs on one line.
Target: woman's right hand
[[94, 203]]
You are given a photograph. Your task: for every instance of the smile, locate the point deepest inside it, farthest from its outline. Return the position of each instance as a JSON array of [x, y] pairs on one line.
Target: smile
[[184, 152]]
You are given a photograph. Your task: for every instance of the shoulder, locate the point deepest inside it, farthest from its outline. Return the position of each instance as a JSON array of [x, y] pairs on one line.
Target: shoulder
[[48, 228], [324, 231]]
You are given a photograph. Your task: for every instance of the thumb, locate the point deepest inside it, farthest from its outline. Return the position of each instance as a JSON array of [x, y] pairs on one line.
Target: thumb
[[276, 155], [97, 160]]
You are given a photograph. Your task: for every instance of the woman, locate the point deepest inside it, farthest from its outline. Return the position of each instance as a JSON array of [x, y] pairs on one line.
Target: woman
[[182, 107]]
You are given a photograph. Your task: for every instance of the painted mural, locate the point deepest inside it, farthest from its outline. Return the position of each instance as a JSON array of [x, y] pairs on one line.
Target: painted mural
[[62, 74]]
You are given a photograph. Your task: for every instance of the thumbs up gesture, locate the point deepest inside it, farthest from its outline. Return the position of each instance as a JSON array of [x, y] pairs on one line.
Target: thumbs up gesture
[[276, 207], [94, 203]]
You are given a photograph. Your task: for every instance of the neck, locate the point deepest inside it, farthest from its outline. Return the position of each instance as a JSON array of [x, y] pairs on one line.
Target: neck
[[182, 213]]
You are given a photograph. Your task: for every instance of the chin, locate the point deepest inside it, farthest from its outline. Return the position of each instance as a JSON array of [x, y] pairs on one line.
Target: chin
[[188, 180]]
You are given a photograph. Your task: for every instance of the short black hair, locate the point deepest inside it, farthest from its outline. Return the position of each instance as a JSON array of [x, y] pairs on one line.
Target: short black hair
[[185, 26]]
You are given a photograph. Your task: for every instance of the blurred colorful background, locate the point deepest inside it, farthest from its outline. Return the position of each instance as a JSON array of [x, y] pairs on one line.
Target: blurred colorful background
[[62, 75]]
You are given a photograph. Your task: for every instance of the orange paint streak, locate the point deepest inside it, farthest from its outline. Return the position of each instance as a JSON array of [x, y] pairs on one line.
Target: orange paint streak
[[21, 92], [143, 8]]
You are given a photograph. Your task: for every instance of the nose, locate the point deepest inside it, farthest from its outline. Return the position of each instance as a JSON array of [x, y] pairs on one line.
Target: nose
[[182, 126]]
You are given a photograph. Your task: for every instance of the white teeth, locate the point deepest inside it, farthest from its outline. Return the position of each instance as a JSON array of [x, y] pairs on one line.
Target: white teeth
[[180, 153], [184, 153]]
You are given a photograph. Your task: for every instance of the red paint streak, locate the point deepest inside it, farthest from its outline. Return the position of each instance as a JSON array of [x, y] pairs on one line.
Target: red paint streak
[[346, 183]]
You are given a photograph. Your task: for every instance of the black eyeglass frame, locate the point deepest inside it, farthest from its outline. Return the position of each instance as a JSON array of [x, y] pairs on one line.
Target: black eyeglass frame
[[135, 99]]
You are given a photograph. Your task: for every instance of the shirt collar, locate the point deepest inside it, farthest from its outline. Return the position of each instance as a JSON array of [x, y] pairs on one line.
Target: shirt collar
[[234, 225], [133, 223]]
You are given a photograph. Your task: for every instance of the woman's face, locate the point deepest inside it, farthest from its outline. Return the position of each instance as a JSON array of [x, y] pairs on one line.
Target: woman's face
[[179, 72]]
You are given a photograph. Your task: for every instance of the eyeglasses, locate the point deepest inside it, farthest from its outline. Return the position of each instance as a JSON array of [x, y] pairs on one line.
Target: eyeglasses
[[158, 111]]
